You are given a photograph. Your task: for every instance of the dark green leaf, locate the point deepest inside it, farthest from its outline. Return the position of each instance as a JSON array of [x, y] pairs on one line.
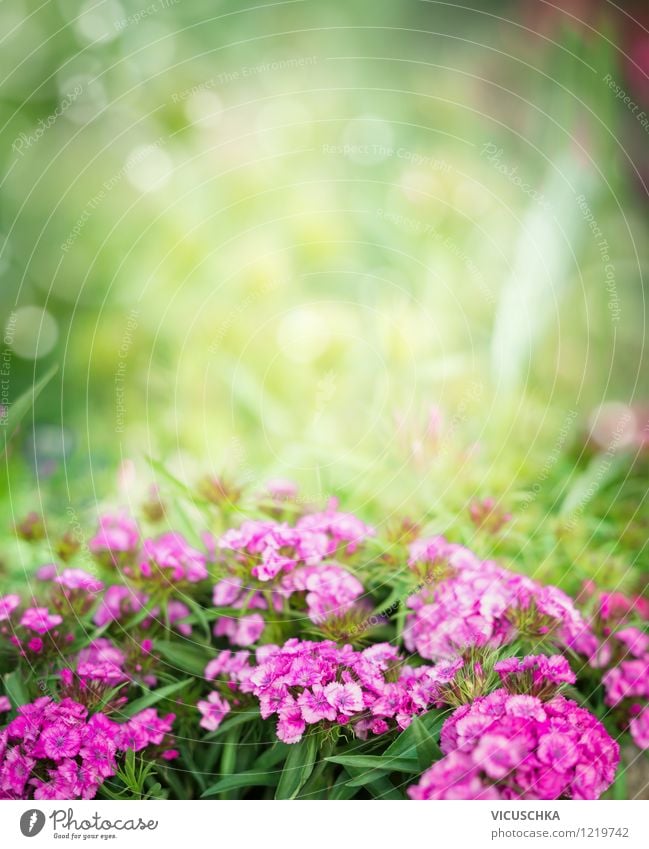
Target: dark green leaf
[[22, 405], [382, 762], [242, 779], [298, 767], [154, 696], [185, 656]]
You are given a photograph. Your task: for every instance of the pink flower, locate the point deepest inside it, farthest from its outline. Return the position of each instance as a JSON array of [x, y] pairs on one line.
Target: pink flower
[[281, 489], [557, 750], [117, 602], [227, 592], [39, 619], [15, 771], [496, 755], [500, 747], [77, 579], [172, 553], [291, 725], [116, 535], [346, 698], [213, 711], [315, 705], [47, 572], [271, 565], [176, 610], [467, 602], [525, 706], [61, 741], [243, 631], [84, 749], [639, 727], [8, 604], [330, 590]]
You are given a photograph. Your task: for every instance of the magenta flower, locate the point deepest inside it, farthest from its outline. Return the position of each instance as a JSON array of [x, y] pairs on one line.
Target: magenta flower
[[8, 604], [557, 750], [15, 771], [213, 711], [330, 590], [5, 704], [639, 727], [525, 706], [60, 741], [116, 535], [176, 611], [53, 750], [291, 725], [40, 620], [77, 579], [315, 705], [242, 631], [500, 747], [468, 602], [118, 601], [346, 698], [173, 555]]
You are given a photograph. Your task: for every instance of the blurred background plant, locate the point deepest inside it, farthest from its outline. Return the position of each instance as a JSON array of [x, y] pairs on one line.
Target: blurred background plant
[[395, 252]]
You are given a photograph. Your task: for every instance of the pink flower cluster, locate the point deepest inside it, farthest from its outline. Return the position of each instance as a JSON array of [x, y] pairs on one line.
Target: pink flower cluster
[[468, 602], [117, 602], [8, 603], [305, 682], [169, 556], [627, 687], [276, 547], [101, 661], [269, 550], [330, 590], [505, 746], [535, 674], [54, 750], [117, 536], [623, 651], [77, 579], [172, 556], [29, 627]]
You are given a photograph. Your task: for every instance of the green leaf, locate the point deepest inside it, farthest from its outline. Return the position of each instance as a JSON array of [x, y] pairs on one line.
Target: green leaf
[[408, 742], [599, 472], [159, 467], [232, 721], [343, 789], [14, 684], [298, 767], [199, 615], [619, 789], [251, 778], [22, 405], [154, 696], [273, 756], [383, 788], [382, 762], [185, 656], [427, 747]]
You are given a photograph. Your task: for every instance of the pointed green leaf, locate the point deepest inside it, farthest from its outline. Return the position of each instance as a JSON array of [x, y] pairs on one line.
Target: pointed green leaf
[[154, 696], [298, 767]]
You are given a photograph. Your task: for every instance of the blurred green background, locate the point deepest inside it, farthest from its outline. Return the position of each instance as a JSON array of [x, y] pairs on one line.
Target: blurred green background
[[393, 250]]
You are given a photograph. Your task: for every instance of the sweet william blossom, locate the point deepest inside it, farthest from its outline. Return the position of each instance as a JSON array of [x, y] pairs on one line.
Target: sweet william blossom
[[501, 747], [40, 620], [213, 711]]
